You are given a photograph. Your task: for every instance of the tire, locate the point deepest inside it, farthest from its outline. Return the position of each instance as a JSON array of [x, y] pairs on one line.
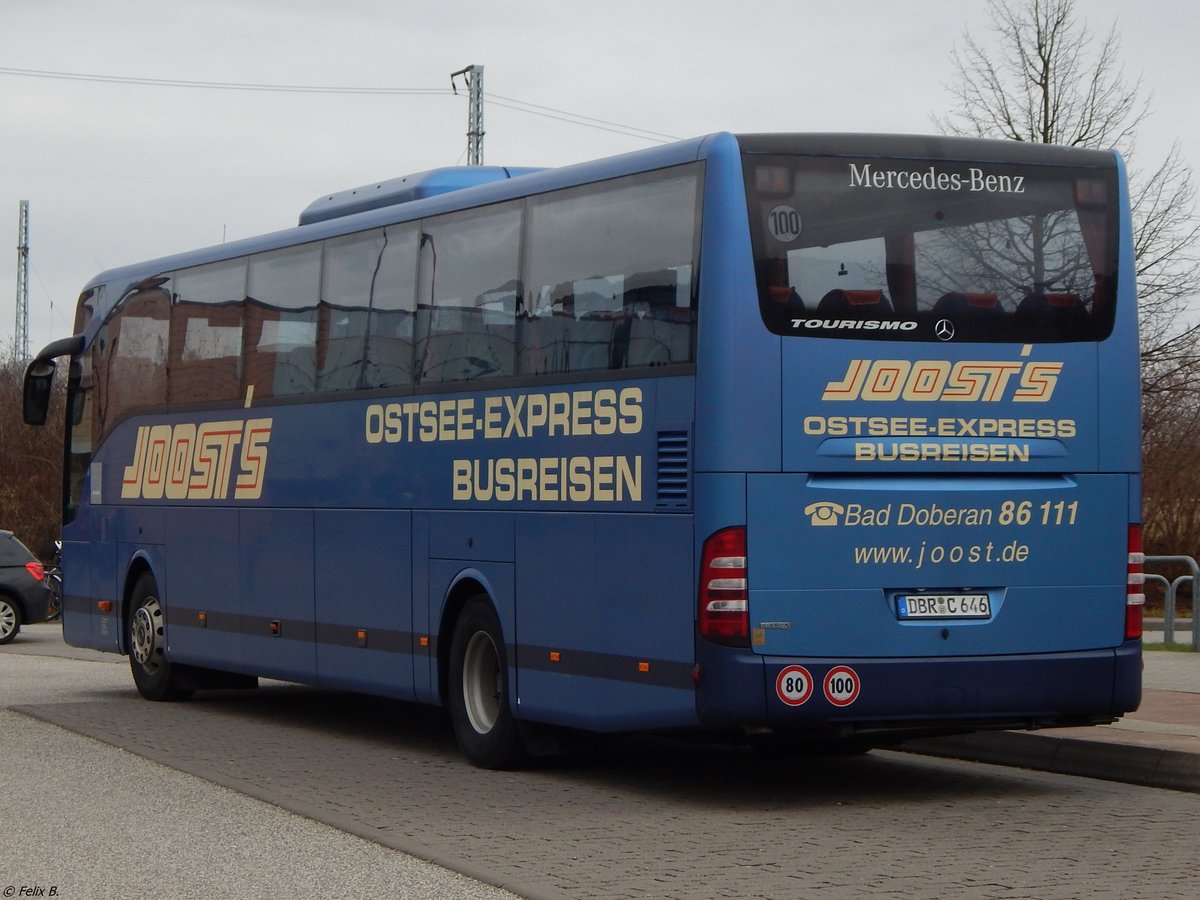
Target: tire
[[484, 726], [153, 673], [10, 620]]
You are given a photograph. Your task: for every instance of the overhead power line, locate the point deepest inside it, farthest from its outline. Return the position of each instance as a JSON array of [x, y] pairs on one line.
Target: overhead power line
[[550, 112], [217, 85], [512, 103]]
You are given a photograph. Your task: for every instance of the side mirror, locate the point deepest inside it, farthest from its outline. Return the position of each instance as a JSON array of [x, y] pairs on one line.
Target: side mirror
[[39, 378], [39, 383]]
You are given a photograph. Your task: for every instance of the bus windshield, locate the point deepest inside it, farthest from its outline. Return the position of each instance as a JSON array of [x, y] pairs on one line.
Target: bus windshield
[[911, 249]]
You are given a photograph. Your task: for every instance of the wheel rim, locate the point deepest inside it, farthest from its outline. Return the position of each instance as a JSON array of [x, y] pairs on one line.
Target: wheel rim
[[482, 682], [8, 619], [146, 632]]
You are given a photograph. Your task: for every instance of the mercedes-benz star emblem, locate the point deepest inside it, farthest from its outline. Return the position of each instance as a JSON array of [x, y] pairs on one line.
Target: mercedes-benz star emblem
[[944, 329]]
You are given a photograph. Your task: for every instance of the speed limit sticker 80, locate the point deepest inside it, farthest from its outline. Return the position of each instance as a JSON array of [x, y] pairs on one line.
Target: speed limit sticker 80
[[794, 685]]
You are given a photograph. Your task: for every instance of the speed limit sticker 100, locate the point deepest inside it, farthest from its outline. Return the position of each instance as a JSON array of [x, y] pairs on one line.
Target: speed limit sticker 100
[[841, 685]]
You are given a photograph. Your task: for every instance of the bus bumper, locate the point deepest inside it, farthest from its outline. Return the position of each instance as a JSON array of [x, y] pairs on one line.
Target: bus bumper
[[858, 697]]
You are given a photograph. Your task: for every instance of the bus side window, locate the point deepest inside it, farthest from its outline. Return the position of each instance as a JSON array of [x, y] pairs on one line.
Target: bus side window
[[660, 317], [347, 275], [281, 321], [540, 331], [615, 259], [467, 297], [205, 353], [132, 353], [390, 353], [81, 431]]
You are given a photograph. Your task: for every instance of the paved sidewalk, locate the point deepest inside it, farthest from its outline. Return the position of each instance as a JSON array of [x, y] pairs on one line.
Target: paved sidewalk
[[90, 820], [1158, 746]]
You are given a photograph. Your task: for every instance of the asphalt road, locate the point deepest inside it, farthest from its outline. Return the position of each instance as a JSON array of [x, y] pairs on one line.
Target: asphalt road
[[624, 818]]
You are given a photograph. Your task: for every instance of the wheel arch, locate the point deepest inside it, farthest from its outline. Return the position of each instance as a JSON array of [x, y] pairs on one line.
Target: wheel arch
[[468, 584], [14, 600], [139, 565]]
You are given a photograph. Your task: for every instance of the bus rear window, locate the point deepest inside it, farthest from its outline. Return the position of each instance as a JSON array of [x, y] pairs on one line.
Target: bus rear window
[[933, 250]]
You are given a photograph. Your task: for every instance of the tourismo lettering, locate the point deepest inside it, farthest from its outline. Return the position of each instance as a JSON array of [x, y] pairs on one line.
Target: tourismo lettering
[[856, 324]]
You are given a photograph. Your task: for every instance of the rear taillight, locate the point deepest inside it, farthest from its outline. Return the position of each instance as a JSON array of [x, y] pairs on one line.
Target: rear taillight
[[724, 591], [1135, 579], [36, 569]]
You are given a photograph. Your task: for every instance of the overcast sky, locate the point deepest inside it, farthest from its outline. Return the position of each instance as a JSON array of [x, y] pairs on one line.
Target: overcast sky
[[116, 172]]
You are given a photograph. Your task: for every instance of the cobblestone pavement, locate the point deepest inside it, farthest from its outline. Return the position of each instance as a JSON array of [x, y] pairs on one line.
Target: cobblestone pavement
[[653, 818]]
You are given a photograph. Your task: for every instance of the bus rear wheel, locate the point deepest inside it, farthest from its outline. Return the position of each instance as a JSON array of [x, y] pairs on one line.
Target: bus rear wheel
[[153, 673], [487, 732]]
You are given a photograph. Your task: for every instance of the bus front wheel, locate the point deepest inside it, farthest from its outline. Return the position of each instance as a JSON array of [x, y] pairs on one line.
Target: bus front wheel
[[484, 725], [155, 677]]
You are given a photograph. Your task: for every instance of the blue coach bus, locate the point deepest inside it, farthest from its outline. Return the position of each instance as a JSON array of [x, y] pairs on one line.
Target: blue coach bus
[[807, 437]]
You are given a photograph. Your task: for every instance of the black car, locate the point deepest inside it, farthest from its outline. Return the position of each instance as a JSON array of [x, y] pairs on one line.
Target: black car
[[25, 597]]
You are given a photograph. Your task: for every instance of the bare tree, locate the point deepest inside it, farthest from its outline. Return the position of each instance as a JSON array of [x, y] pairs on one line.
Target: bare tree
[[1045, 78], [30, 466]]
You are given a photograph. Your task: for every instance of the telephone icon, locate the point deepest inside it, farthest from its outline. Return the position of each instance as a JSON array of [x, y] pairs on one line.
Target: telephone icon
[[823, 512]]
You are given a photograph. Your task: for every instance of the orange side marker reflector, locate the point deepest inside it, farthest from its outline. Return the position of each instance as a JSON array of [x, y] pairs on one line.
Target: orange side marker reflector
[[104, 605], [424, 641], [643, 667], [555, 656]]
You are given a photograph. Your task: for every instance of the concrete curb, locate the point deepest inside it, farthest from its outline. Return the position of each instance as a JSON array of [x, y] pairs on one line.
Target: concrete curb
[[1146, 766]]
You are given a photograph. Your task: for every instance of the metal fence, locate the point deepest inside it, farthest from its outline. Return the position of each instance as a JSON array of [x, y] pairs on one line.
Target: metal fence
[[1171, 588]]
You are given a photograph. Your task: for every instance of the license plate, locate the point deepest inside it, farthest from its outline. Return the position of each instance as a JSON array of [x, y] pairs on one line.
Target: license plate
[[943, 606]]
